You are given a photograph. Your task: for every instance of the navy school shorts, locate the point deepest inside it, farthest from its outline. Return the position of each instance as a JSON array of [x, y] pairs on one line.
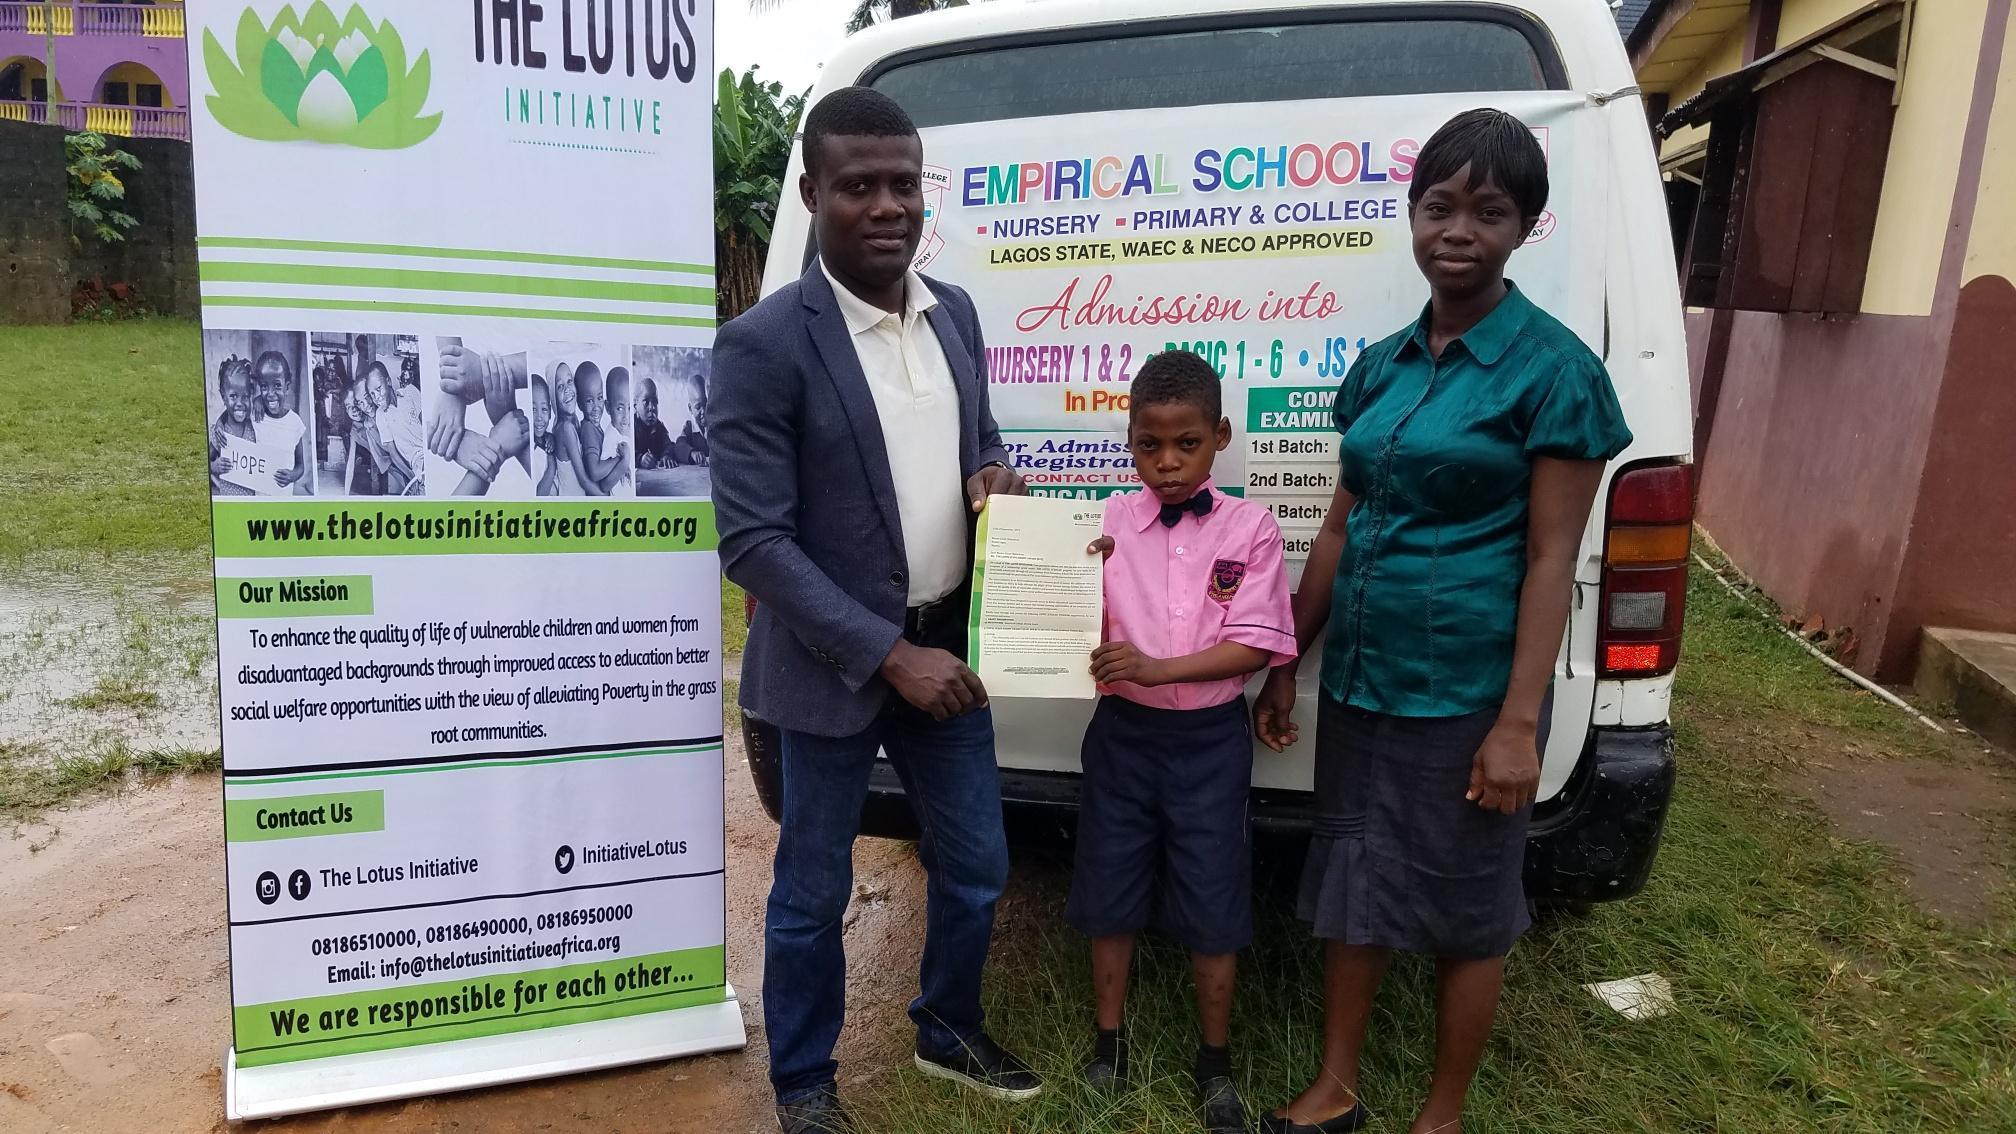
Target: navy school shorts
[[1165, 799]]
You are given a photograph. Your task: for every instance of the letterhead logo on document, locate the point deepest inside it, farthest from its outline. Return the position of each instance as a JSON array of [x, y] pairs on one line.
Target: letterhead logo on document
[[937, 183], [314, 78]]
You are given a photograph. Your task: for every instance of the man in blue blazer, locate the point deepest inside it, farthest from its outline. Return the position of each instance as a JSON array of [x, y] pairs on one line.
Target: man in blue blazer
[[852, 446]]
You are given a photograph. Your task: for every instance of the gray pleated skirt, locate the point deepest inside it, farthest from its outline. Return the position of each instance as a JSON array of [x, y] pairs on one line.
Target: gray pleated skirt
[[1399, 859]]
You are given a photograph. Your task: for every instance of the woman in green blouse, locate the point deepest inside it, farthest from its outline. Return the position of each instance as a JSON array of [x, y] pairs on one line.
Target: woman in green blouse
[[1474, 442]]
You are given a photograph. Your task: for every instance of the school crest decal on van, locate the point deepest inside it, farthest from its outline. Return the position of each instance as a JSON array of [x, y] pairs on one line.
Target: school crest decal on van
[[937, 183], [1226, 575]]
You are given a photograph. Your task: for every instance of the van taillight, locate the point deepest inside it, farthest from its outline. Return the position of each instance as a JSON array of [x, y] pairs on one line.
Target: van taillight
[[1646, 542]]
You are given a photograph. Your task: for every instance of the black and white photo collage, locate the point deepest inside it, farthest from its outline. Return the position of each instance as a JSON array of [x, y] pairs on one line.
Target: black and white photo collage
[[335, 414]]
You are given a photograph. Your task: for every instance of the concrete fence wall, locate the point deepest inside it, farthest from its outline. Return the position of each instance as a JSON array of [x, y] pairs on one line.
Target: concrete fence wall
[[39, 267]]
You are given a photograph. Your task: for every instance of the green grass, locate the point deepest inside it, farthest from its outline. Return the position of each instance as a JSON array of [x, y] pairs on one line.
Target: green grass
[[131, 655], [1738, 661], [734, 624], [1812, 995], [110, 692], [34, 777], [100, 441]]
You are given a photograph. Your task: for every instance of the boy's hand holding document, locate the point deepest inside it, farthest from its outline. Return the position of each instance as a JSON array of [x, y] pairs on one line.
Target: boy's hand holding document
[[1037, 599]]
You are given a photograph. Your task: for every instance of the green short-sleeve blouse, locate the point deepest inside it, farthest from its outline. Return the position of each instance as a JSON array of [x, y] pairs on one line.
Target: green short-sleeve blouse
[[1439, 454]]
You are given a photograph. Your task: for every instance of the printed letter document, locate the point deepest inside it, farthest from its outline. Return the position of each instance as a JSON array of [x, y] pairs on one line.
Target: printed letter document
[[1036, 597]]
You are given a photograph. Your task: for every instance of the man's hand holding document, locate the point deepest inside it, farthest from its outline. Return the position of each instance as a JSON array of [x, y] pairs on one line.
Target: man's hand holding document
[[1037, 598]]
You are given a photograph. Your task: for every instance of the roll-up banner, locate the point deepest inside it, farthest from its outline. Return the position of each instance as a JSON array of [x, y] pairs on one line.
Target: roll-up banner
[[458, 306]]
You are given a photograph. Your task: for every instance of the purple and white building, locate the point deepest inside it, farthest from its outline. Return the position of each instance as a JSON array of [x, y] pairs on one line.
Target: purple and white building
[[113, 67]]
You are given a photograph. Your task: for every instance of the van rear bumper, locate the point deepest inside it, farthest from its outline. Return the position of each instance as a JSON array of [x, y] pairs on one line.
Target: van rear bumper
[[1595, 841]]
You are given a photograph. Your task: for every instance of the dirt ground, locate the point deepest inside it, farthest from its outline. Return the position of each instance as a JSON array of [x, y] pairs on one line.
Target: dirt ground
[[115, 1001], [1949, 823]]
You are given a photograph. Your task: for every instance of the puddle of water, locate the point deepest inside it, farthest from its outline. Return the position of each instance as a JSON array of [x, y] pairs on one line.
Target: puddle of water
[[123, 655]]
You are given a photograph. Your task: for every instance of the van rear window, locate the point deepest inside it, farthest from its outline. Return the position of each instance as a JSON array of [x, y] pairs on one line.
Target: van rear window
[[1187, 65]]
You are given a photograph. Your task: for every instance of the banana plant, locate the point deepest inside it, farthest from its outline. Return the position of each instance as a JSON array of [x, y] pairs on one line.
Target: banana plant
[[754, 124]]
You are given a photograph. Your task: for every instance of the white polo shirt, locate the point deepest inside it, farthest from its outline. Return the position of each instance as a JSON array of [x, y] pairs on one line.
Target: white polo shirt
[[918, 405]]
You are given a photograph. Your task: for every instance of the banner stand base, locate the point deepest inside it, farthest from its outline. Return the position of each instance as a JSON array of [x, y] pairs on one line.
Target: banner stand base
[[406, 1072]]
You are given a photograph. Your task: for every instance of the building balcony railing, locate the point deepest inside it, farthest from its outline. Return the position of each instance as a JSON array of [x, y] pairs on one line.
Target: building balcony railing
[[101, 118], [77, 17]]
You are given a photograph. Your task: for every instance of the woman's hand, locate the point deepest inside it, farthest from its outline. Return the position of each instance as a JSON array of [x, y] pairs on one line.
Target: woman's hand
[[1506, 773], [1273, 719], [1103, 547], [1120, 661]]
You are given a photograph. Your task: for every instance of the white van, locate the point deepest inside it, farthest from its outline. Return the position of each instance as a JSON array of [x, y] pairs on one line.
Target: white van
[[1112, 177]]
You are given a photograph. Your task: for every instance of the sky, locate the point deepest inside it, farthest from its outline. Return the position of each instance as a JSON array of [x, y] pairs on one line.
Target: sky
[[789, 39]]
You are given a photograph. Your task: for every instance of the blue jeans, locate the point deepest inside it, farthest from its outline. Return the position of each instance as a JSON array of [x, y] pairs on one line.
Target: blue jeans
[[948, 771]]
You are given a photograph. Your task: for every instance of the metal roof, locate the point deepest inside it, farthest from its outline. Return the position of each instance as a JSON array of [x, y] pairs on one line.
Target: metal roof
[[1628, 13], [1689, 31]]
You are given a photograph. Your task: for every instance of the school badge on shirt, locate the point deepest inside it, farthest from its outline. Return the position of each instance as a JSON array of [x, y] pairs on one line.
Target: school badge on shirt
[[1226, 575]]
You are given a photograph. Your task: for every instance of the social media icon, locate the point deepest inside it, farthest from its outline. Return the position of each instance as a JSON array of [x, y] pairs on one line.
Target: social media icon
[[563, 859], [268, 888], [297, 885]]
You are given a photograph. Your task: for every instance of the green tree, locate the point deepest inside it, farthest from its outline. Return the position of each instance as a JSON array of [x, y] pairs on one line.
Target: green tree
[[867, 13], [96, 190], [754, 123]]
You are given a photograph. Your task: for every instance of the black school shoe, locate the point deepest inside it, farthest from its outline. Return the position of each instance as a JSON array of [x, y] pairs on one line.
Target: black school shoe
[[1220, 1107], [984, 1066], [1350, 1120], [820, 1114], [1107, 1074]]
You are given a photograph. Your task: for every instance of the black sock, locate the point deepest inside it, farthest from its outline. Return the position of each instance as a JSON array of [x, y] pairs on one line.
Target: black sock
[[1106, 1047], [1213, 1062]]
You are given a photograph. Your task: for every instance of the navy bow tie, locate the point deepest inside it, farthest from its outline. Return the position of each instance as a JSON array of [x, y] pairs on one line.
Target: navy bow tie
[[1198, 506]]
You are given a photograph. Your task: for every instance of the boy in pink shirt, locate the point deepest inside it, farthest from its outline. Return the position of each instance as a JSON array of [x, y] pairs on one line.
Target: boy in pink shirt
[[1196, 602]]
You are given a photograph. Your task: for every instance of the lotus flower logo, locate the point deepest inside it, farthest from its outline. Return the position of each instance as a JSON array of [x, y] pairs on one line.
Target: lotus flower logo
[[311, 77]]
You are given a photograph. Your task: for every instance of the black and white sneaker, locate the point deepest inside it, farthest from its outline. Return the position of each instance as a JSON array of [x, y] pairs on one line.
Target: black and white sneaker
[[984, 1066], [819, 1114]]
